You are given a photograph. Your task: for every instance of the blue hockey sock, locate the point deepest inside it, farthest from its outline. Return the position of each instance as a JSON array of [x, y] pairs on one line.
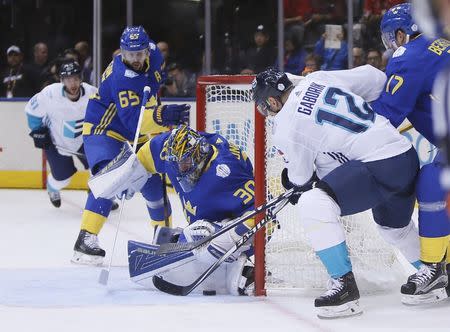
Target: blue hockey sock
[[336, 260]]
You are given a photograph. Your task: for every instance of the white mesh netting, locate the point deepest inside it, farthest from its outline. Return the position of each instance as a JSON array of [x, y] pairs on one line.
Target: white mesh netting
[[290, 261]]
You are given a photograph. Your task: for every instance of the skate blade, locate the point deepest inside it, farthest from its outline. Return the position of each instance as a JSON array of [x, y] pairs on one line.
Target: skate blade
[[348, 309], [434, 296], [83, 259]]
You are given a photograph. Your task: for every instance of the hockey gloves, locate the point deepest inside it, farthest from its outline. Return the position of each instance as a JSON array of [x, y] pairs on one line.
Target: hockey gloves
[[41, 137], [299, 190], [172, 115]]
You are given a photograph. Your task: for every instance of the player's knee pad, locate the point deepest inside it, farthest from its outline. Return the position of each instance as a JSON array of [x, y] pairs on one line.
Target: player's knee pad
[[54, 184], [405, 239], [433, 218], [319, 216]]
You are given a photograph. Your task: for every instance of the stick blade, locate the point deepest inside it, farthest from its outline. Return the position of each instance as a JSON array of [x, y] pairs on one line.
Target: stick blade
[[103, 277], [169, 288]]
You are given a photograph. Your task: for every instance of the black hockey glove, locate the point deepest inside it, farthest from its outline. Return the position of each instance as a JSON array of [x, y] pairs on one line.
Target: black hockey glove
[[299, 190], [172, 115], [41, 137]]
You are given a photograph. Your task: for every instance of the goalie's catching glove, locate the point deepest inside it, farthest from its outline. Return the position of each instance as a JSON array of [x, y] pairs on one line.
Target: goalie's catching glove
[[41, 138], [172, 115]]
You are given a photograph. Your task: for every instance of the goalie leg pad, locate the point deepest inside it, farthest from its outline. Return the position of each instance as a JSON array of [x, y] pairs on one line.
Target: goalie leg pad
[[124, 173], [240, 276]]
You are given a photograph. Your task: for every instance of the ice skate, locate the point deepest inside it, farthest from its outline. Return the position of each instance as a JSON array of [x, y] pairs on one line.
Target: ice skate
[[55, 198], [427, 285], [86, 249], [341, 298]]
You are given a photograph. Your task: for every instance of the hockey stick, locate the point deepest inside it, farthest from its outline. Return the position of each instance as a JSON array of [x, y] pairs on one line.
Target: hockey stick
[[173, 289], [104, 273], [167, 248], [166, 212]]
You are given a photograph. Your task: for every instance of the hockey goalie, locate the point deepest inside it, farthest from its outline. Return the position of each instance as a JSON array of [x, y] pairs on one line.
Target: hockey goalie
[[214, 181]]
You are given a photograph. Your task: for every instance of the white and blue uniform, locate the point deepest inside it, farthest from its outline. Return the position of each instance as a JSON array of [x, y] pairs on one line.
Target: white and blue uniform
[[327, 126], [64, 118]]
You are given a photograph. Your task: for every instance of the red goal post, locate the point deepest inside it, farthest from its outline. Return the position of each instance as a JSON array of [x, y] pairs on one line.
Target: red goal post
[[259, 156]]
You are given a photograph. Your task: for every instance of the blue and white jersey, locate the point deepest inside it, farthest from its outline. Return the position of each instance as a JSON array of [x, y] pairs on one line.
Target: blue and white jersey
[[327, 121], [63, 117]]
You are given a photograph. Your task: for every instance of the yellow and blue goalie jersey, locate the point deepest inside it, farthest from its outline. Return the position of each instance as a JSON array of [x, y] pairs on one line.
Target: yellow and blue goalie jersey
[[411, 73], [224, 190], [114, 110]]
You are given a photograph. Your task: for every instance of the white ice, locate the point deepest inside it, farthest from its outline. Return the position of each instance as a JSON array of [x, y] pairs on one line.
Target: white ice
[[40, 290]]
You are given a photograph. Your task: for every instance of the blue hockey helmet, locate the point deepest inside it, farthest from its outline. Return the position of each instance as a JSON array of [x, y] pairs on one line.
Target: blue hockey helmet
[[134, 38], [188, 153], [429, 16], [397, 18], [269, 83]]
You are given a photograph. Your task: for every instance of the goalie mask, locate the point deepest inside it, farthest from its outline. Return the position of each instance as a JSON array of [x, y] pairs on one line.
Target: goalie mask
[[188, 153]]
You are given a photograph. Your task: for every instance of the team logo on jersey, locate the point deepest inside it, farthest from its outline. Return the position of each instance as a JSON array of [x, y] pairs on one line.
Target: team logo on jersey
[[223, 170], [131, 74], [399, 52], [73, 129]]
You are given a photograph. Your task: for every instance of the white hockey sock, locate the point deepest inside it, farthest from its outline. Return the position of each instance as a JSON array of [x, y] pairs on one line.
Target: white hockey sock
[[405, 239], [55, 185]]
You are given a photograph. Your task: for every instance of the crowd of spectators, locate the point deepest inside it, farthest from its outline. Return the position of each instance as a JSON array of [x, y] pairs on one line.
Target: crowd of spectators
[[307, 48]]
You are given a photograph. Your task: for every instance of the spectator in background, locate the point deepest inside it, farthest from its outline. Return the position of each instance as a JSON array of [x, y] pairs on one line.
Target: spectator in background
[[179, 82], [40, 63], [71, 54], [374, 58], [312, 64], [373, 11], [294, 56], [296, 13], [85, 60], [17, 79], [359, 57], [165, 51], [333, 58], [261, 56]]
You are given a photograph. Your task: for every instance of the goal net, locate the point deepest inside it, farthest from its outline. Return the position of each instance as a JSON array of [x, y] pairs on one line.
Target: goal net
[[283, 256]]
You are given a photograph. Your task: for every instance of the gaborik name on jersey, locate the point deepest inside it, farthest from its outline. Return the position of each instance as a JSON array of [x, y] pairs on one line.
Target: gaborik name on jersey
[[310, 98]]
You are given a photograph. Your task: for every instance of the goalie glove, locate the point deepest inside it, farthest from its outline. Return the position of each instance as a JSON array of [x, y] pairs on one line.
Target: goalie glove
[[41, 138], [298, 190], [171, 115]]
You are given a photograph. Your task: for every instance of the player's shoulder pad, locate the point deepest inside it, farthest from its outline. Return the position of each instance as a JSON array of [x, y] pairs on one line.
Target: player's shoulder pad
[[90, 89], [53, 90], [156, 57]]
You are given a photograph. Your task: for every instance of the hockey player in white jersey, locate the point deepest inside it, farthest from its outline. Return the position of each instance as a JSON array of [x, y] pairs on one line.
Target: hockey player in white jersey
[[55, 116], [344, 159]]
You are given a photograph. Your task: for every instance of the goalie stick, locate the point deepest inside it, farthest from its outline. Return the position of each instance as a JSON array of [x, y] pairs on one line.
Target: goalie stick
[[104, 273], [167, 248], [173, 289]]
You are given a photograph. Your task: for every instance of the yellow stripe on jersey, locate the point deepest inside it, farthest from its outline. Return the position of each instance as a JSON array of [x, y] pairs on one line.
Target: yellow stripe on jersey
[[146, 158], [433, 249], [161, 223], [214, 156], [106, 119], [92, 222]]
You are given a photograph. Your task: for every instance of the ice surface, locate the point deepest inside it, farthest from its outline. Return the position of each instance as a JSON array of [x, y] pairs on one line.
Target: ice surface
[[40, 290]]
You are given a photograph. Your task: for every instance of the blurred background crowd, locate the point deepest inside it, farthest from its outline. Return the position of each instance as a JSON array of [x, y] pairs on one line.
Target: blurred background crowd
[[38, 35]]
